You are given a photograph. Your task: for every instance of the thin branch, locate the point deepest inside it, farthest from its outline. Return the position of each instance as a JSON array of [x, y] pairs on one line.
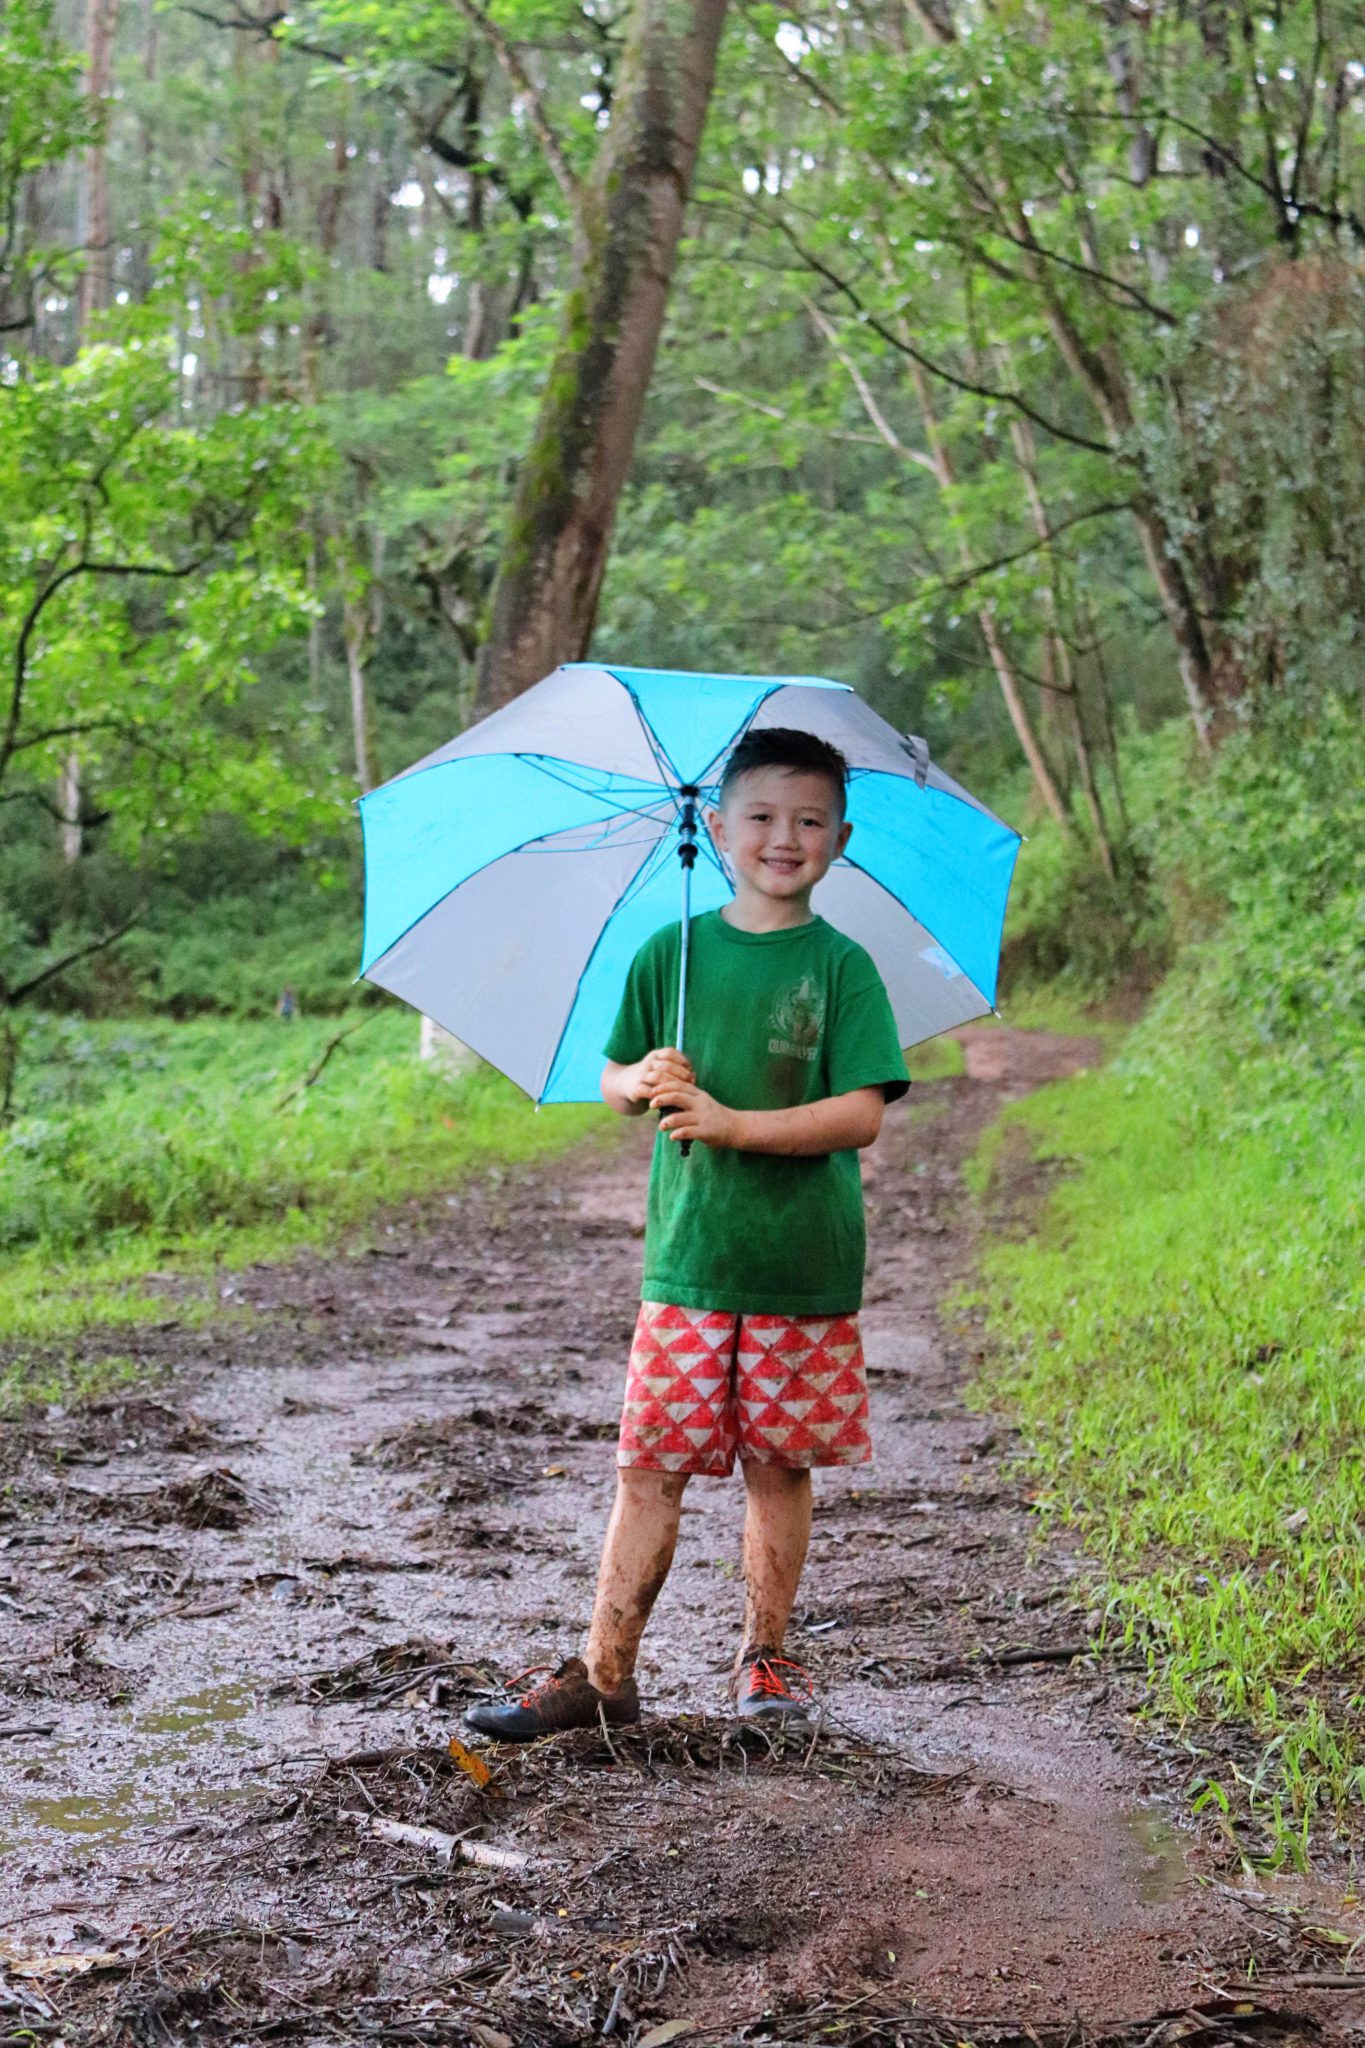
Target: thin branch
[[520, 77], [976, 570], [775, 412], [812, 85], [865, 392], [1333, 216], [1306, 104], [934, 369], [65, 732], [14, 996], [35, 796], [337, 1038]]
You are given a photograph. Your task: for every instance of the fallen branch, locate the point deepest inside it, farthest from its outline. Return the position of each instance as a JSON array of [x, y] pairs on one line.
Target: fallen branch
[[1062, 1654], [487, 1855], [337, 1039]]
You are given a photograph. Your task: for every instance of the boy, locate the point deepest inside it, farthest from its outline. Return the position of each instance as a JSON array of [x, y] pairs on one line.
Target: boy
[[748, 1329]]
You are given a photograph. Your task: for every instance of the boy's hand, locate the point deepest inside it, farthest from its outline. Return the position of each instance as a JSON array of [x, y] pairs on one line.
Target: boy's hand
[[695, 1114], [660, 1072]]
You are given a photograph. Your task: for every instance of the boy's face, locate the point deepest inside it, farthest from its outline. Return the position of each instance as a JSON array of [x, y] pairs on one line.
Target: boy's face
[[781, 828]]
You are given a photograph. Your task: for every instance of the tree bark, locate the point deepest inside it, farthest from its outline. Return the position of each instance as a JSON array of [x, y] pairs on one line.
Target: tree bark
[[1019, 716], [96, 290], [630, 216], [1062, 674]]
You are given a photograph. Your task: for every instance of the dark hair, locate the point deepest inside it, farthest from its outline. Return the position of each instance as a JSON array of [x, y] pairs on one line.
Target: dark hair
[[782, 746]]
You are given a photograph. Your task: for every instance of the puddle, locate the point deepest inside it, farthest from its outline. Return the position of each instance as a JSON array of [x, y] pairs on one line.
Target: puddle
[[157, 1742], [1162, 1848], [194, 1718]]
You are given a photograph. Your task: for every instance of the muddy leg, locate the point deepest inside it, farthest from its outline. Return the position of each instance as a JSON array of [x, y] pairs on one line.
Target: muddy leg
[[641, 1536], [776, 1535]]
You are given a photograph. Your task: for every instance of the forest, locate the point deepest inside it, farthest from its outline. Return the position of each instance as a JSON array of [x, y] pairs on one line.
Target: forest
[[1004, 359]]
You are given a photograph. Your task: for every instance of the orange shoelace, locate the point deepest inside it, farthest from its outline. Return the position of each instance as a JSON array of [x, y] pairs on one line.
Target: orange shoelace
[[765, 1676], [529, 1699]]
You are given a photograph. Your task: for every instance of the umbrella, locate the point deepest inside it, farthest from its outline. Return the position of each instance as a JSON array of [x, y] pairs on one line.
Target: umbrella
[[512, 875]]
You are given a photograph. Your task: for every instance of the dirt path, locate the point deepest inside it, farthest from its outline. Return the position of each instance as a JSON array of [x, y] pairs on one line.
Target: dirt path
[[241, 1615]]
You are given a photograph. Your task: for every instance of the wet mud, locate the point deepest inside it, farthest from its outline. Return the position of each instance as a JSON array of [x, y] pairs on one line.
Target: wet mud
[[240, 1616]]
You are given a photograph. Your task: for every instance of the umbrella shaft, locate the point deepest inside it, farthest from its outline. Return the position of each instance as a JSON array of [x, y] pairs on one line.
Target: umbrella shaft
[[687, 854]]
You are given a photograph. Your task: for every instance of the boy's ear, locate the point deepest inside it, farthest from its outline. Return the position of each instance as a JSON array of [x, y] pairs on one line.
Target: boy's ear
[[711, 818], [845, 834]]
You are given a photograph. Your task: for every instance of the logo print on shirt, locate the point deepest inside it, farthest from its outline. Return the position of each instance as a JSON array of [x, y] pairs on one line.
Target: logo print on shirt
[[796, 1020]]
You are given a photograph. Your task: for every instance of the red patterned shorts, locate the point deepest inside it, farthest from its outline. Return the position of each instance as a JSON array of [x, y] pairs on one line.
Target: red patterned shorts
[[782, 1390]]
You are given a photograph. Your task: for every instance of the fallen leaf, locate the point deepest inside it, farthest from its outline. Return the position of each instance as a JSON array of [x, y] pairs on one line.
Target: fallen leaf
[[669, 2030], [487, 2037], [473, 1766], [554, 1472], [62, 1963]]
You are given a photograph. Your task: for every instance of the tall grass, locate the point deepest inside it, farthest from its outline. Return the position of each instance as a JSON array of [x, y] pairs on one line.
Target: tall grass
[[139, 1143], [1184, 1336]]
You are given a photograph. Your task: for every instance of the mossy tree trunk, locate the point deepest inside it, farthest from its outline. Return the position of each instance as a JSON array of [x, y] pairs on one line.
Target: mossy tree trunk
[[630, 217]]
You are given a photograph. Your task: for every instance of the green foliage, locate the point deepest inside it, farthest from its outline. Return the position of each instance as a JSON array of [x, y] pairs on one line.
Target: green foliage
[[1265, 858], [176, 1129], [1072, 928], [1185, 1338], [139, 1143], [145, 565]]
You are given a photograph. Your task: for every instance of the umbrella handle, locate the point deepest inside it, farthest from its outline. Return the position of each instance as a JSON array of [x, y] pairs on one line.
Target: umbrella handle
[[684, 1144]]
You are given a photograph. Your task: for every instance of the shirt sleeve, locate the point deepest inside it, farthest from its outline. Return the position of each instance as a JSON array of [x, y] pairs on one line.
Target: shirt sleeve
[[637, 1027], [865, 1049]]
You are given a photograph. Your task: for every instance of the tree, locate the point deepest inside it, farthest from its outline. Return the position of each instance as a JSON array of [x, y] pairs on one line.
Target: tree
[[629, 216]]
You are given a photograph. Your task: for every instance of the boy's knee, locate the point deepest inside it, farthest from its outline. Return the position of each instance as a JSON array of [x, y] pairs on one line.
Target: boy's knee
[[775, 1479], [641, 1484]]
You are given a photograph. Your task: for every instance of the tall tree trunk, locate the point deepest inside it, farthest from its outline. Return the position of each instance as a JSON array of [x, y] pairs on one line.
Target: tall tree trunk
[[96, 287], [96, 290], [1020, 718], [1061, 672], [356, 632], [630, 216]]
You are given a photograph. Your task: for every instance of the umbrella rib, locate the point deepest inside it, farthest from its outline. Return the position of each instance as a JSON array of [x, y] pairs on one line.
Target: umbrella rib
[[771, 691], [632, 887], [523, 846], [631, 810], [662, 761]]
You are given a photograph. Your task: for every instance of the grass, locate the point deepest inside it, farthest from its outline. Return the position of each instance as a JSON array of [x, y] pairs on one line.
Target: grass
[[936, 1060], [155, 1147], [1184, 1342]]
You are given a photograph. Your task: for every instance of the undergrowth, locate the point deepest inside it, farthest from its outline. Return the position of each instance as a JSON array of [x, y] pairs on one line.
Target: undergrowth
[[1184, 1336], [147, 1145]]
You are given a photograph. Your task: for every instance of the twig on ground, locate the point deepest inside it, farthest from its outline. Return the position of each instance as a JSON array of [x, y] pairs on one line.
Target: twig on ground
[[602, 1719], [487, 1855], [814, 1738]]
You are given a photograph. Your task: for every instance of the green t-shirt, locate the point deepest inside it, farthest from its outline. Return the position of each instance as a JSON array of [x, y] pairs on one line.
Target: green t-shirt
[[774, 1019]]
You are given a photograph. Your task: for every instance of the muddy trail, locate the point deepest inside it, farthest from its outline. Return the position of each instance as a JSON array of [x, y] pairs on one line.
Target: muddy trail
[[242, 1611]]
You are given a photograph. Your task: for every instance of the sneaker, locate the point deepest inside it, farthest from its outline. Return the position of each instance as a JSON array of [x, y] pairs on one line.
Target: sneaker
[[566, 1699], [773, 1688]]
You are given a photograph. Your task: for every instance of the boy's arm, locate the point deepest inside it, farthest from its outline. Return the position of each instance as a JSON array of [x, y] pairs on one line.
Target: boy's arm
[[837, 1123]]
